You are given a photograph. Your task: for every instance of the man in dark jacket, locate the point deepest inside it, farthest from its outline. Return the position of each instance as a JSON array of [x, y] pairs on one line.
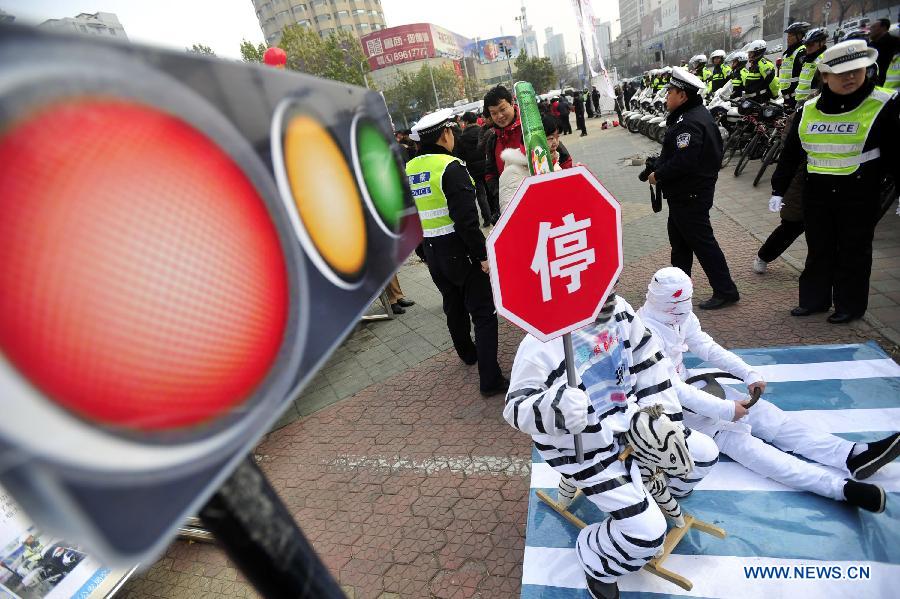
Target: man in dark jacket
[[578, 102], [468, 151], [886, 44], [686, 172], [595, 100], [487, 143], [565, 125]]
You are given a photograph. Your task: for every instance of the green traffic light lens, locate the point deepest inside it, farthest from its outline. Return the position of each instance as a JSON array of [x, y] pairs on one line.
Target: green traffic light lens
[[382, 176]]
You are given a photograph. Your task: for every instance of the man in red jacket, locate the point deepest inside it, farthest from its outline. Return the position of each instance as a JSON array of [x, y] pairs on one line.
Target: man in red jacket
[[507, 127]]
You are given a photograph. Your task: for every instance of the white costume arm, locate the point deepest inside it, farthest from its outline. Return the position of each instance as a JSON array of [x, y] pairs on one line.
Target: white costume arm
[[703, 403], [653, 371], [533, 404], [708, 350]]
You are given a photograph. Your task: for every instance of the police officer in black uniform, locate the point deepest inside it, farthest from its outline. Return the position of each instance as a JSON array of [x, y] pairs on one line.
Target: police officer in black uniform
[[686, 173], [454, 246]]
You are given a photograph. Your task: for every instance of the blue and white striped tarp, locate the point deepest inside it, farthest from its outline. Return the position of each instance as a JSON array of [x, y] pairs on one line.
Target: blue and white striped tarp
[[850, 390]]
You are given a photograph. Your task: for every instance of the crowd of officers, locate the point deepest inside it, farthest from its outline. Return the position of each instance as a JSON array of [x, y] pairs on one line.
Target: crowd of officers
[[839, 157]]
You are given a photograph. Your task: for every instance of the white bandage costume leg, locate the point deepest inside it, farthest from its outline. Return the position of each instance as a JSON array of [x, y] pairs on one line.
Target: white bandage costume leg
[[769, 424]]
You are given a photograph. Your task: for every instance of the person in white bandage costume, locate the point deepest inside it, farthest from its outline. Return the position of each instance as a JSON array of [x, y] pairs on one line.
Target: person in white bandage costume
[[621, 369], [758, 438]]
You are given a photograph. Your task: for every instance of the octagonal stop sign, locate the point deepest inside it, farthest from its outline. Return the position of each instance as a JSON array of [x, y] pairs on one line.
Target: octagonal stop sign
[[556, 252]]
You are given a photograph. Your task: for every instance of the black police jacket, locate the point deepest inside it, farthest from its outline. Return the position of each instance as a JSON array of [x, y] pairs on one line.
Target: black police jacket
[[691, 153]]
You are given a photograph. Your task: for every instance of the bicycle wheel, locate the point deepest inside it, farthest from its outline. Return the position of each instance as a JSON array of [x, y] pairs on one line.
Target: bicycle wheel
[[770, 157], [745, 155], [731, 146], [660, 134]]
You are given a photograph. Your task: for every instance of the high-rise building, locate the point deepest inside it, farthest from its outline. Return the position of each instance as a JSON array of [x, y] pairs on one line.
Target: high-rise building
[[630, 13], [98, 23], [359, 17], [602, 37], [555, 47]]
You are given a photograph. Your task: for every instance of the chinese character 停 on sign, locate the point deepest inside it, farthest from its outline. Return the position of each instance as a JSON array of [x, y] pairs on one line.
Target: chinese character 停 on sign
[[567, 256]]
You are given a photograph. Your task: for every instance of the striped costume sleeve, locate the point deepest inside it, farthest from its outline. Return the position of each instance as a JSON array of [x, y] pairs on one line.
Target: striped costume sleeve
[[535, 390], [653, 371]]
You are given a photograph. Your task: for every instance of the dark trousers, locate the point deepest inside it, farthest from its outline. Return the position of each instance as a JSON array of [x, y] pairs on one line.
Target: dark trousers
[[493, 195], [481, 196], [466, 291], [839, 234], [780, 239], [565, 126], [690, 232], [579, 123]]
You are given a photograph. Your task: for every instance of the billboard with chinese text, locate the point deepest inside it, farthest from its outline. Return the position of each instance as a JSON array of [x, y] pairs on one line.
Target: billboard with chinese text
[[407, 43]]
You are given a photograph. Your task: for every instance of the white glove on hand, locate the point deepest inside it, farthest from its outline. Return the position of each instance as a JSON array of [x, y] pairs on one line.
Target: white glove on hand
[[574, 408], [775, 203]]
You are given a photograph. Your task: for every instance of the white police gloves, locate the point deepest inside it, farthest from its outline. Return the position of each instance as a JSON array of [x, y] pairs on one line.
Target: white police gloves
[[574, 407], [775, 203]]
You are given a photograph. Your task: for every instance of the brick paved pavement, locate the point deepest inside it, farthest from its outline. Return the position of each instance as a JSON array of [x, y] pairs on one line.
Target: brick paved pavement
[[414, 486]]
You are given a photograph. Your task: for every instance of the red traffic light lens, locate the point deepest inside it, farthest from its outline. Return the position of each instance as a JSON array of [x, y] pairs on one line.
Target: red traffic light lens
[[144, 284]]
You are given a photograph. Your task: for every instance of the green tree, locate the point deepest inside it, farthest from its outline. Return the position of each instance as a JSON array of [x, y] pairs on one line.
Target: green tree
[[537, 71], [201, 49], [251, 53], [412, 93], [339, 56]]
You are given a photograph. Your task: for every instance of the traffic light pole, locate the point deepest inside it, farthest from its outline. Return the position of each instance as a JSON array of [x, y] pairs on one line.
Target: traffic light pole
[[260, 536]]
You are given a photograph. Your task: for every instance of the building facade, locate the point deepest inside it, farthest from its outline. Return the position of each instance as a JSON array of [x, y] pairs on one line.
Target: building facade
[[104, 24], [359, 17], [671, 31]]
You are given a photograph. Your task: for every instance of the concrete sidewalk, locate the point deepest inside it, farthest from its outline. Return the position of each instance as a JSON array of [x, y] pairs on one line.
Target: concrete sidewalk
[[410, 484]]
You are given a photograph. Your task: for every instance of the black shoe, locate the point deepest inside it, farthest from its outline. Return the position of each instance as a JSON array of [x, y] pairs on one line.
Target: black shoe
[[397, 309], [715, 302], [801, 311], [841, 318], [502, 386], [872, 459], [602, 590], [405, 303], [584, 135], [469, 360], [865, 496]]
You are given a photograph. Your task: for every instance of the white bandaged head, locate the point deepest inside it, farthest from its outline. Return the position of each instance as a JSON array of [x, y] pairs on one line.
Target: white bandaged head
[[669, 295]]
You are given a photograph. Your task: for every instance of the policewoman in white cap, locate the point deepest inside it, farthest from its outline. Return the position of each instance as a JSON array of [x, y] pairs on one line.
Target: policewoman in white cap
[[454, 246], [686, 172], [850, 138]]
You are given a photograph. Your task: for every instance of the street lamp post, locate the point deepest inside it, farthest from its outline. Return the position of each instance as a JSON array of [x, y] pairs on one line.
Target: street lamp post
[[360, 65], [434, 87], [363, 71]]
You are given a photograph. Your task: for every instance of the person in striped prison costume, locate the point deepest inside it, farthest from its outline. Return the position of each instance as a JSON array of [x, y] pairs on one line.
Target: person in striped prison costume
[[758, 438], [621, 369]]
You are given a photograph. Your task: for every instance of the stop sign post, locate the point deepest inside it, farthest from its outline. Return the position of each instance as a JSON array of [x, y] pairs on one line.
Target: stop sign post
[[555, 255]]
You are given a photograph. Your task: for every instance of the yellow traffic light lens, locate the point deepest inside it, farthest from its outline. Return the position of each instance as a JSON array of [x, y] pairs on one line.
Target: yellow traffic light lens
[[325, 194]]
